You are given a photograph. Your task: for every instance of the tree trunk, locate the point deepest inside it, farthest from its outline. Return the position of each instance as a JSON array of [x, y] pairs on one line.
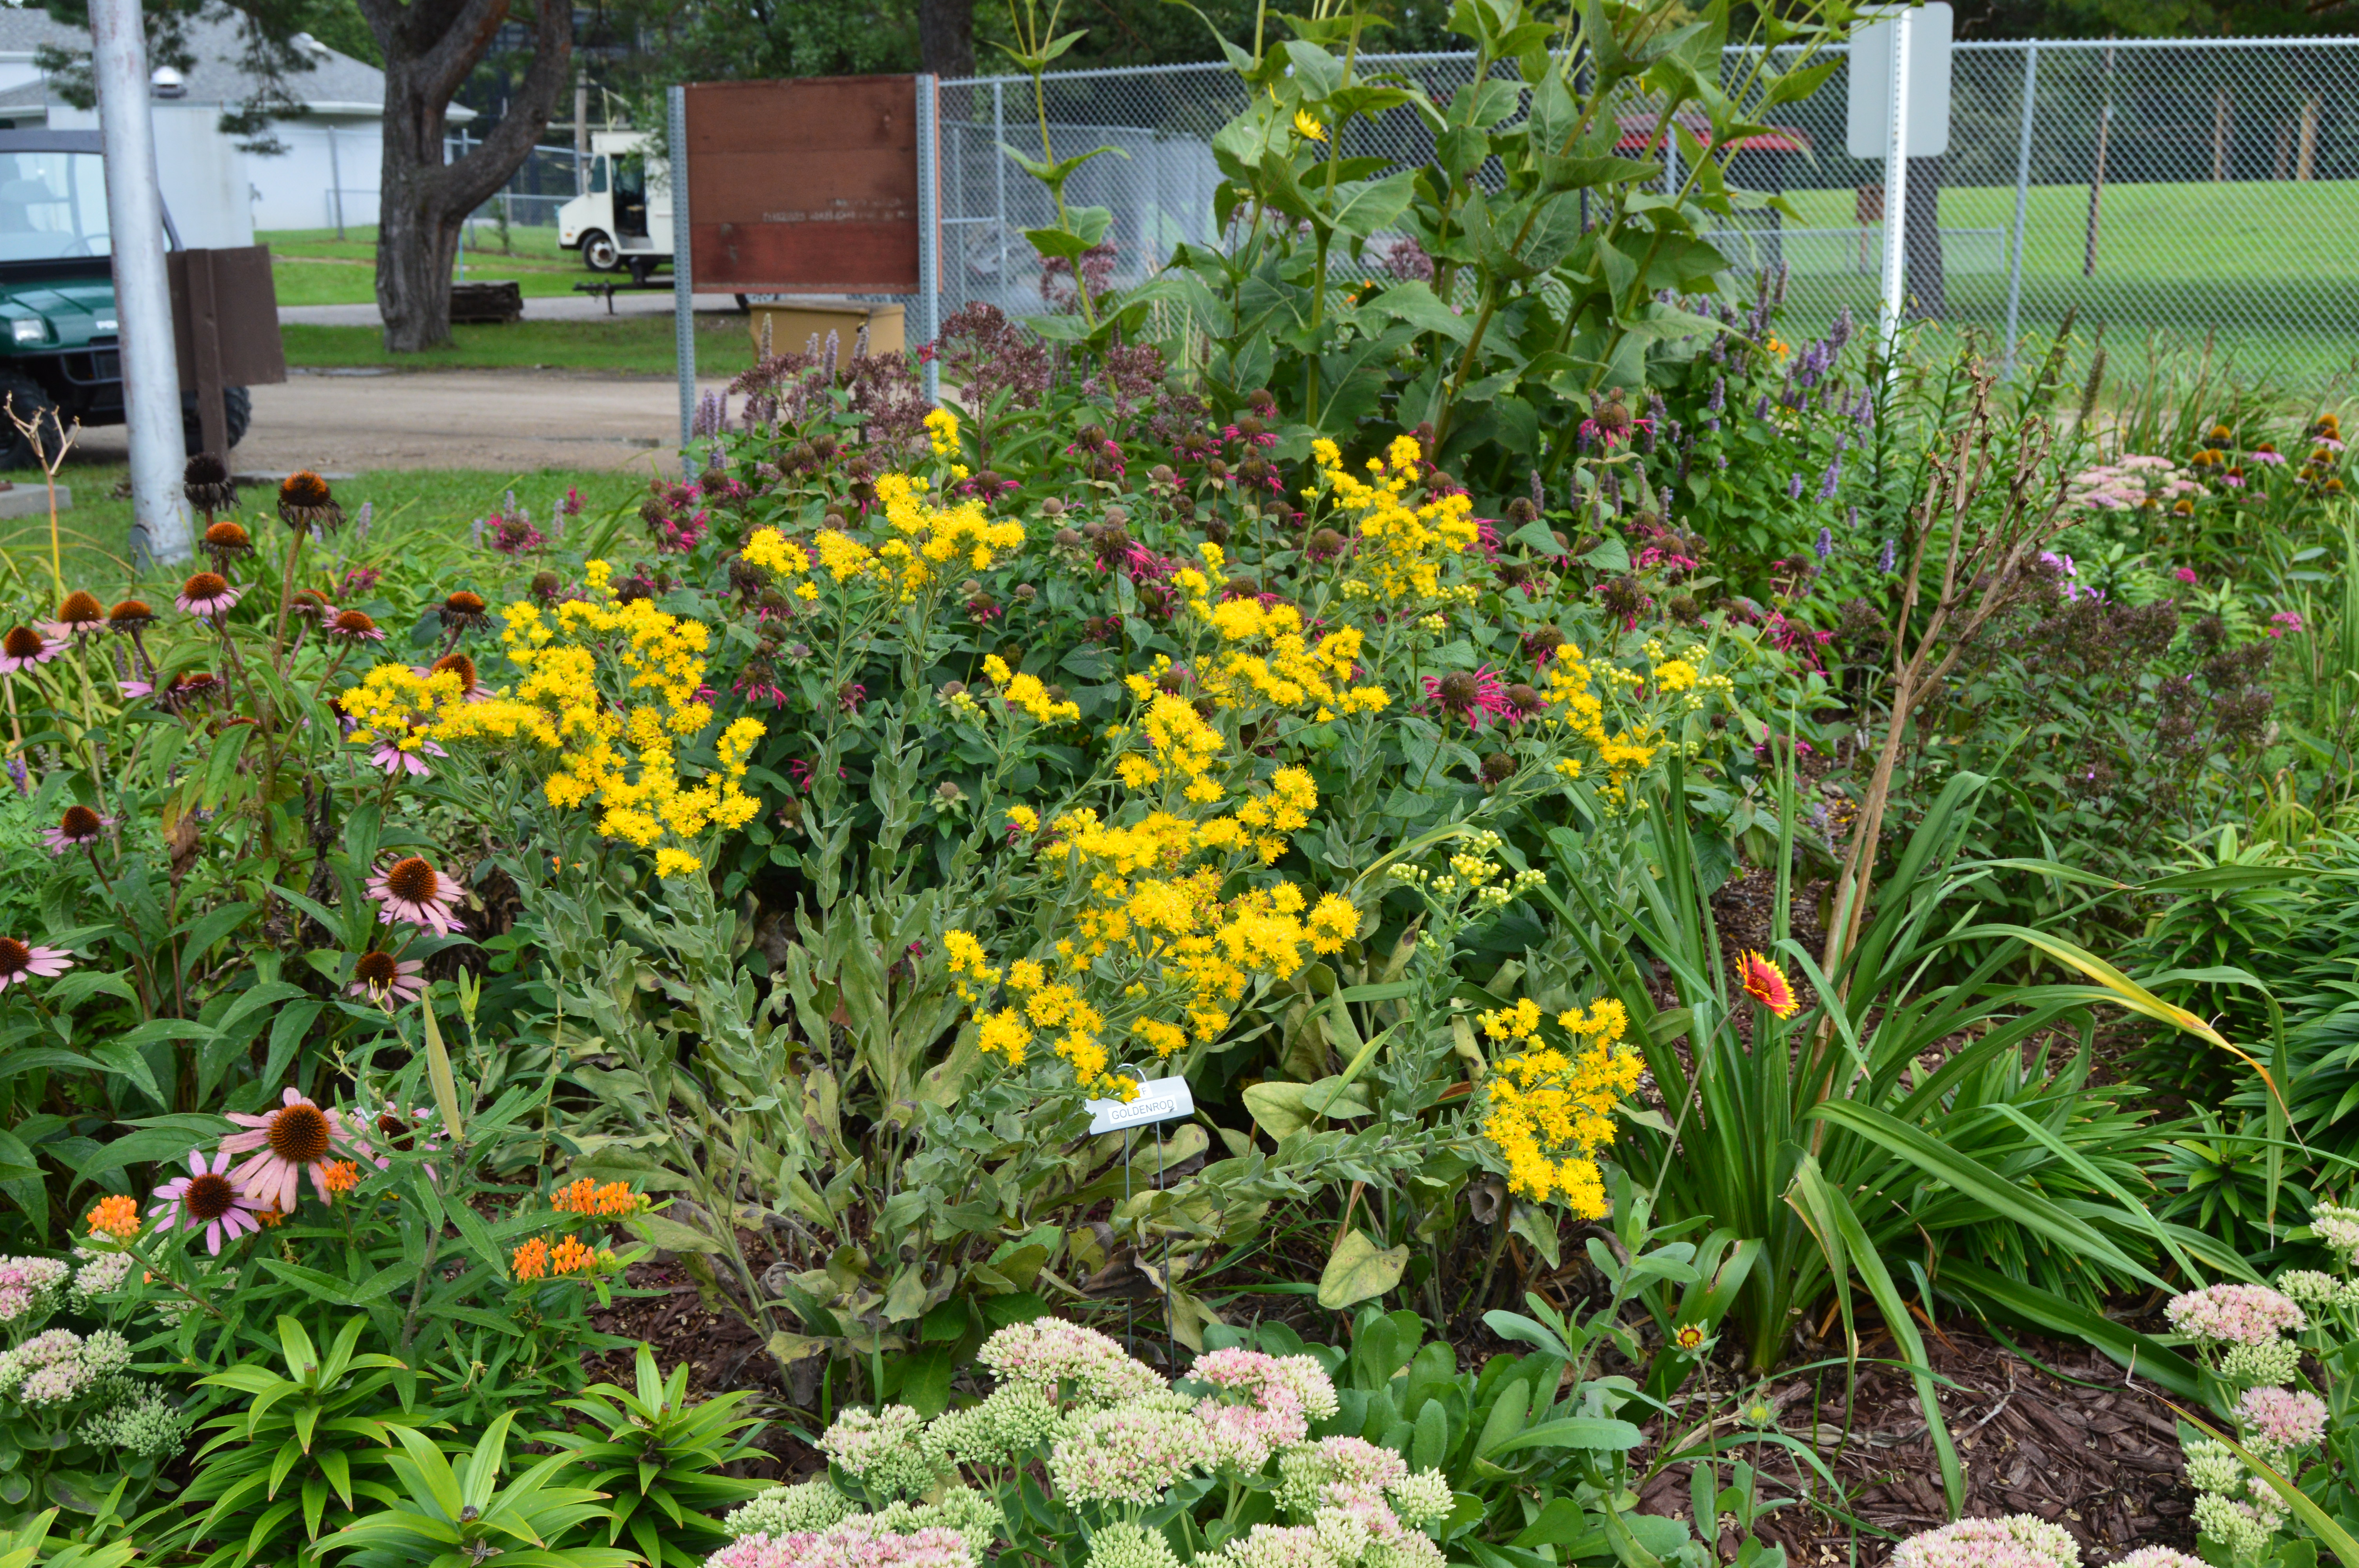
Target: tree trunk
[[429, 47], [946, 36]]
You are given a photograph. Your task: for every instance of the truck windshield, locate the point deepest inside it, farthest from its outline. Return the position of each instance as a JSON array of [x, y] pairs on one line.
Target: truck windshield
[[52, 206]]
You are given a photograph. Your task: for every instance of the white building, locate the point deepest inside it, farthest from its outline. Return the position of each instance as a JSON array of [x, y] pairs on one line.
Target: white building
[[218, 194]]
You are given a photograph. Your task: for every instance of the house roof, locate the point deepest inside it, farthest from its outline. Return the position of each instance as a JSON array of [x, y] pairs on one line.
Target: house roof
[[337, 83]]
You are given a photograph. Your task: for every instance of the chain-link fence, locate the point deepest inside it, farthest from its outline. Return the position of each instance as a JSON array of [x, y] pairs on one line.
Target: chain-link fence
[[2200, 192]]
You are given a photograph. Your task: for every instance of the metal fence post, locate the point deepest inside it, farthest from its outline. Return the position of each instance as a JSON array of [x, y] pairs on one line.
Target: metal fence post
[[683, 283], [930, 238], [2022, 199], [999, 177], [1896, 193]]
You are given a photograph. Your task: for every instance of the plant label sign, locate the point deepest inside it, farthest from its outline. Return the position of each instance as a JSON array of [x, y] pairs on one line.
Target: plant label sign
[[1159, 1100]]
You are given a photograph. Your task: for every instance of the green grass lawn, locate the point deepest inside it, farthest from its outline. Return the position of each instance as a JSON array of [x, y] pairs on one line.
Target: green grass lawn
[[638, 345], [312, 267], [2260, 268], [94, 535]]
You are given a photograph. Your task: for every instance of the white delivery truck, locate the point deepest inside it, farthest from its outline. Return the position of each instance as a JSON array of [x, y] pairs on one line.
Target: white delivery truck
[[622, 220]]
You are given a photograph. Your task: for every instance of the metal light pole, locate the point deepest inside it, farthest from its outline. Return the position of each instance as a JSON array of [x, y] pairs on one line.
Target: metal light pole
[[143, 292], [683, 280]]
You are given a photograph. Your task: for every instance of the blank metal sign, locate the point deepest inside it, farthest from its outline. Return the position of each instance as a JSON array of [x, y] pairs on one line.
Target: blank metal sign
[[804, 186]]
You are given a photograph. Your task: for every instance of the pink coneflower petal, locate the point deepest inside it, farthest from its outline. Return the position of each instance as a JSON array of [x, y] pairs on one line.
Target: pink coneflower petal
[[207, 1197], [78, 826], [21, 648], [296, 1137], [207, 594], [23, 961], [382, 979], [411, 889]]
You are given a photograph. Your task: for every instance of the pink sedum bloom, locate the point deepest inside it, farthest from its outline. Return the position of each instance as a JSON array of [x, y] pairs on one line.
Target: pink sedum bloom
[[855, 1543], [2020, 1540], [2234, 1314], [2282, 1418]]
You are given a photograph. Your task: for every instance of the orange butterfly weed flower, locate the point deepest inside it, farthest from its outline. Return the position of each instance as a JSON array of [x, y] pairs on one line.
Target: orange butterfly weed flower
[[117, 1216], [586, 1197], [572, 1257], [340, 1176], [531, 1260], [1765, 983]]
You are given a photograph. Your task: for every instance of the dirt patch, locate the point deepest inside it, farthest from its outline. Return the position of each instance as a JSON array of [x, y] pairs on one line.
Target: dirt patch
[[518, 421]]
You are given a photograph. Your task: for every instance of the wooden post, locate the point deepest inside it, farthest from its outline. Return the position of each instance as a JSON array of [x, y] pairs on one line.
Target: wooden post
[[205, 343], [2220, 136], [2305, 160], [2097, 169]]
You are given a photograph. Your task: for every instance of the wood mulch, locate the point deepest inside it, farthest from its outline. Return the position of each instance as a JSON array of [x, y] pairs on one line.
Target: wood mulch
[[2093, 1450]]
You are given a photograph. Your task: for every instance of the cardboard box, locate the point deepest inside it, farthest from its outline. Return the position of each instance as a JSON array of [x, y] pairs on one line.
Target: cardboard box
[[794, 323]]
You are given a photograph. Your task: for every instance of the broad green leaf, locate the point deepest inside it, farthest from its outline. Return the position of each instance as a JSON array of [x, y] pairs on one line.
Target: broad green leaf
[[1358, 1269]]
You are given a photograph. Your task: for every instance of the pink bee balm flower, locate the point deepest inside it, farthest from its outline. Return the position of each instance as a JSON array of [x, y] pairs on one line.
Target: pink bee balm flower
[[1477, 695], [2186, 575], [2284, 621], [21, 648], [209, 1198], [412, 889], [2282, 1418], [207, 594], [2234, 1314], [296, 1137], [22, 961]]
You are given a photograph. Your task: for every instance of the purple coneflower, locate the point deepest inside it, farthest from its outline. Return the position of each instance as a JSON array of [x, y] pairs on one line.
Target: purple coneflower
[[207, 1197], [384, 980], [80, 616], [23, 961], [189, 688], [21, 648], [206, 594], [354, 626], [296, 1137], [406, 754], [470, 687], [412, 889], [78, 826]]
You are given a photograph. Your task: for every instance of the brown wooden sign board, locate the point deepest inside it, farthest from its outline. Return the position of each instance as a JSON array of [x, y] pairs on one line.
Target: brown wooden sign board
[[805, 186], [225, 323]]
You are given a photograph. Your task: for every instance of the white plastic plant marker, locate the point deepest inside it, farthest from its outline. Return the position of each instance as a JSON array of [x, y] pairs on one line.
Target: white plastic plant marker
[[1159, 1100]]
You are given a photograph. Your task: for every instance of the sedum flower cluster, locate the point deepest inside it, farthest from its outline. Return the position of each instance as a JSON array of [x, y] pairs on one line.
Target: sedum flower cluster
[[2018, 1540], [1113, 1438], [2257, 1339], [72, 1389]]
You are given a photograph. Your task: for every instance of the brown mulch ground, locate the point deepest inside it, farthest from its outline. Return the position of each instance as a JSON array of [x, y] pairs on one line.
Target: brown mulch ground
[[2073, 1438], [2097, 1453]]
